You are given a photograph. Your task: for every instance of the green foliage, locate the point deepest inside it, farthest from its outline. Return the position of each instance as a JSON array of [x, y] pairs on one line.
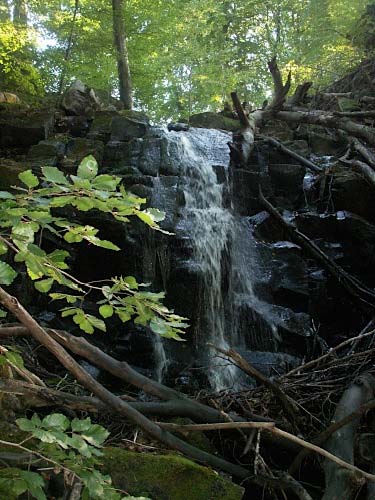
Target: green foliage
[[17, 72], [37, 209], [73, 447]]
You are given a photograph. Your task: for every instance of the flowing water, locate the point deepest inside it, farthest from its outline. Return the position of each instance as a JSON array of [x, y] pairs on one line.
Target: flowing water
[[217, 239], [209, 228]]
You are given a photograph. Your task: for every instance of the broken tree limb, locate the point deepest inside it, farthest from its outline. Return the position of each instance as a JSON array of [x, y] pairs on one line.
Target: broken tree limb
[[299, 95], [326, 434], [332, 351], [327, 119], [368, 155], [248, 125], [287, 403], [112, 401], [122, 370], [362, 168], [274, 430], [309, 164], [343, 482], [280, 89], [364, 295]]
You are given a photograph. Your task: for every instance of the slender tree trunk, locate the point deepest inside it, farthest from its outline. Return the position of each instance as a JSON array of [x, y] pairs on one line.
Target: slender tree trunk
[[68, 48], [20, 12], [122, 53]]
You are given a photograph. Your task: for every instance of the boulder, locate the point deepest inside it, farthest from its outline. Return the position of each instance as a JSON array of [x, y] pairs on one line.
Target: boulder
[[209, 119], [351, 192], [166, 477], [287, 182], [80, 100], [129, 125]]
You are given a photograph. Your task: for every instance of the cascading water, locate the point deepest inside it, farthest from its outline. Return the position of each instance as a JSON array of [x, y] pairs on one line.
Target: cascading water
[[209, 226]]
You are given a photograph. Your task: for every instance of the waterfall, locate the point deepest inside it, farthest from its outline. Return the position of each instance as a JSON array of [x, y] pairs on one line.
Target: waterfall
[[209, 227]]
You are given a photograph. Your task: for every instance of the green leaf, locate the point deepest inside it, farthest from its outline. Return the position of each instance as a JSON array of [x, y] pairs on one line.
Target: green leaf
[[95, 435], [88, 168], [5, 195], [3, 314], [84, 204], [124, 314], [96, 322], [7, 274], [3, 248], [106, 311], [106, 182], [35, 484], [28, 178], [14, 358], [56, 420], [79, 425], [44, 286], [131, 282], [102, 243], [25, 424], [158, 325], [54, 175], [155, 214]]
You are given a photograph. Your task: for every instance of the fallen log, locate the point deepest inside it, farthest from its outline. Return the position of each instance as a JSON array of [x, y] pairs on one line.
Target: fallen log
[[345, 483], [113, 402]]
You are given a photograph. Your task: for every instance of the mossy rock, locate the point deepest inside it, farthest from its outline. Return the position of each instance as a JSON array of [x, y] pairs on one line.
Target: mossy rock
[[214, 120], [166, 477]]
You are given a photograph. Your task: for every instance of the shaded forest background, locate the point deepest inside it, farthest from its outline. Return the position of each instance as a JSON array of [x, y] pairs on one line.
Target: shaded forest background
[[186, 56]]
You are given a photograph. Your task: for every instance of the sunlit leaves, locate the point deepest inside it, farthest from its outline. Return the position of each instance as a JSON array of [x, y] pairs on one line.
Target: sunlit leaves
[[28, 178], [27, 215]]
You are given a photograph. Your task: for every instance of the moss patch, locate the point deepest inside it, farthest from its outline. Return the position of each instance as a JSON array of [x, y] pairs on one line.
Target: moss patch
[[166, 477]]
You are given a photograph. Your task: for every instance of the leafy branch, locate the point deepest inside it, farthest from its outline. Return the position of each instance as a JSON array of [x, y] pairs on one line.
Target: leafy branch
[[37, 208]]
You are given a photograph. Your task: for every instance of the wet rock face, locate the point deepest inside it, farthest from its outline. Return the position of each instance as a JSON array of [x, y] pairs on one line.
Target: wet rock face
[[271, 296]]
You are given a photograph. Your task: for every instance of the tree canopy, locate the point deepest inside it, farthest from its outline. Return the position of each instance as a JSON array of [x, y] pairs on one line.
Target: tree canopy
[[185, 55]]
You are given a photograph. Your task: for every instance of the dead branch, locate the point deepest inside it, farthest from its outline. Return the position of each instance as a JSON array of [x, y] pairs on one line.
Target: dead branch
[[359, 291], [113, 402], [288, 404], [280, 89], [309, 164], [327, 119], [274, 430], [216, 427], [299, 95], [362, 168], [122, 370], [368, 155], [326, 434], [332, 351], [341, 483]]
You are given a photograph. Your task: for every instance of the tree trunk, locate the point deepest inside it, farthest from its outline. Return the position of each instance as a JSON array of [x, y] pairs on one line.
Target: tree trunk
[[20, 12], [69, 48], [122, 53]]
